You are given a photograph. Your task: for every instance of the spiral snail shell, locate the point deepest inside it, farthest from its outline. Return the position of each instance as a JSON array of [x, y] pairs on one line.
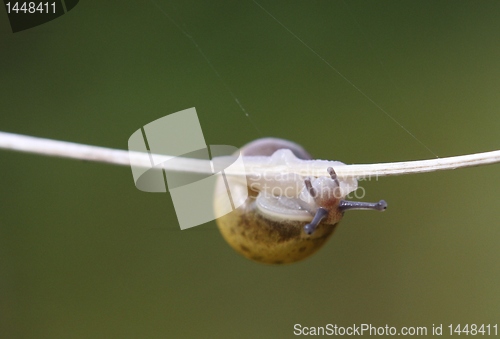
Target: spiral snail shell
[[289, 224]]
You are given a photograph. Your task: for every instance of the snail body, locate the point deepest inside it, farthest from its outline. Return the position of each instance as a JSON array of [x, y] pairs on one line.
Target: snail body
[[287, 218]]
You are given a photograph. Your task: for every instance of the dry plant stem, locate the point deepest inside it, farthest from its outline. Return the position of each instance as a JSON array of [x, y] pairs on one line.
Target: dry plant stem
[[253, 165]]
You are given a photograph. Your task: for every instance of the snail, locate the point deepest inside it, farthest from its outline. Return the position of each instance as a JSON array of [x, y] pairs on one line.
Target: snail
[[287, 218]]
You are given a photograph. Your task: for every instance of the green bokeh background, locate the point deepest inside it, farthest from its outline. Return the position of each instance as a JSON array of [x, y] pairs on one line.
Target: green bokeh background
[[84, 254]]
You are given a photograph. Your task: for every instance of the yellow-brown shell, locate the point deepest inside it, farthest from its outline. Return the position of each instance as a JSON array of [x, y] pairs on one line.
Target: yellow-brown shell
[[268, 241], [260, 238]]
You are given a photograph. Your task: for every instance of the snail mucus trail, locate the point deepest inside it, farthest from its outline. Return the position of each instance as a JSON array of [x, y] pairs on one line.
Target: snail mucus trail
[[285, 225]]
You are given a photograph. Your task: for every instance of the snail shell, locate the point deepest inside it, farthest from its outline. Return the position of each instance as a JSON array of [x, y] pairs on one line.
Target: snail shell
[[283, 228]]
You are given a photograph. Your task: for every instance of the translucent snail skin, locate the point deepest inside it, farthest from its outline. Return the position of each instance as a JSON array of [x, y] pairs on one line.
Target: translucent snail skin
[[287, 219]]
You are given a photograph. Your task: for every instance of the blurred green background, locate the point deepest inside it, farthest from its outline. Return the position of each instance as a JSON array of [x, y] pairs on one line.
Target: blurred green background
[[84, 254]]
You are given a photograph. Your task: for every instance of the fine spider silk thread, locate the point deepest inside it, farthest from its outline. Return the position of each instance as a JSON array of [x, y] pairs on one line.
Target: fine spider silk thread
[[240, 105], [346, 79], [210, 64]]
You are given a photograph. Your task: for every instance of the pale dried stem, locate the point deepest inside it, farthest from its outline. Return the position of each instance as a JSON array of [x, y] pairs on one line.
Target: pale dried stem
[[253, 165]]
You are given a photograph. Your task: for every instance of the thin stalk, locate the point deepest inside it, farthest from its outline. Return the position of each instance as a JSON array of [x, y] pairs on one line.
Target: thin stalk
[[253, 165]]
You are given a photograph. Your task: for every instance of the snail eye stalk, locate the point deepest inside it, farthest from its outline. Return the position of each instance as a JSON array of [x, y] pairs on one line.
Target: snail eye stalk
[[321, 213], [345, 205]]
